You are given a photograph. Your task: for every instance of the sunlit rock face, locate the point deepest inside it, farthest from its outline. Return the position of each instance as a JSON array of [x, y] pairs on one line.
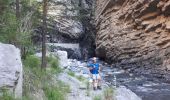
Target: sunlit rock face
[[73, 50], [66, 24], [70, 22], [11, 75], [134, 34]]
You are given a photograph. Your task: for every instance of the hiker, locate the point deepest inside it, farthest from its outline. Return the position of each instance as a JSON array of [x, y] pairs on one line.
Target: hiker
[[94, 68]]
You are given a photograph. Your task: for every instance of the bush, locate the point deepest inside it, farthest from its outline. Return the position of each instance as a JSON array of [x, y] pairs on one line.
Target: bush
[[53, 62], [53, 93], [56, 92], [6, 95], [109, 94], [32, 61], [80, 78], [97, 97], [36, 79], [71, 73]]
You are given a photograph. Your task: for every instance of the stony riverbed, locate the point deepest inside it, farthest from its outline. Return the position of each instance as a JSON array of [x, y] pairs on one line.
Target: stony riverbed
[[79, 90], [147, 88]]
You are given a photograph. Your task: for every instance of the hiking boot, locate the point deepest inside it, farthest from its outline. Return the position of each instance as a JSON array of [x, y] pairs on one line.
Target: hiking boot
[[99, 87]]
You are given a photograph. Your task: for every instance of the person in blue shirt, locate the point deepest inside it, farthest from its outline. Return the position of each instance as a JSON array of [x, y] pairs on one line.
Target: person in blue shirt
[[94, 68]]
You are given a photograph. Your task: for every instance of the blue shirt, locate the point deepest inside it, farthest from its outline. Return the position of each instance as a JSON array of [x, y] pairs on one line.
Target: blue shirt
[[95, 68]]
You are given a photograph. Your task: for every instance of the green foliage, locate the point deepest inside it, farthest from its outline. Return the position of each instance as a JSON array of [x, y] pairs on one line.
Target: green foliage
[[71, 73], [53, 62], [37, 79], [56, 92], [32, 61], [8, 27], [80, 78], [88, 88], [6, 95], [109, 94], [18, 31], [53, 93], [98, 97]]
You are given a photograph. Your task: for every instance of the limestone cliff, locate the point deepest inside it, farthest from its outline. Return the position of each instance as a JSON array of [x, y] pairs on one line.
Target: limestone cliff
[[134, 34]]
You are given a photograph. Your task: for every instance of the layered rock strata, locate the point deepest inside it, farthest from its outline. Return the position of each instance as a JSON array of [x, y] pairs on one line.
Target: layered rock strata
[[135, 34], [70, 22]]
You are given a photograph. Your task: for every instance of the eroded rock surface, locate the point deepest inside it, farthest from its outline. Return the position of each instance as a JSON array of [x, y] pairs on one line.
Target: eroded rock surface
[[73, 50], [134, 34], [11, 75], [70, 21]]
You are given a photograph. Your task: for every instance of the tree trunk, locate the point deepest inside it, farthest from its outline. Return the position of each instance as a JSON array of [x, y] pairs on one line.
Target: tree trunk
[[44, 62], [17, 9]]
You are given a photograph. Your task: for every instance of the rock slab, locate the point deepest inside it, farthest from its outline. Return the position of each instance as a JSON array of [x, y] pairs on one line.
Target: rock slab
[[122, 93], [63, 58], [11, 71]]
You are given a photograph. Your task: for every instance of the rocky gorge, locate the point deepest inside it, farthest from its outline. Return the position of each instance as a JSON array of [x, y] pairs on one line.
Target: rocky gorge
[[134, 35], [129, 37]]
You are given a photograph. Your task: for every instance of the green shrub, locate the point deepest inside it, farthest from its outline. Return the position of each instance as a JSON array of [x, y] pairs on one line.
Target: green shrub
[[97, 97], [71, 73], [109, 94], [80, 78], [53, 63], [56, 92], [37, 79], [88, 88], [6, 95], [32, 61], [53, 93], [64, 87]]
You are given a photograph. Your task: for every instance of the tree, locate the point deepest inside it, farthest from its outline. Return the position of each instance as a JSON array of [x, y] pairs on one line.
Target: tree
[[17, 9], [44, 62]]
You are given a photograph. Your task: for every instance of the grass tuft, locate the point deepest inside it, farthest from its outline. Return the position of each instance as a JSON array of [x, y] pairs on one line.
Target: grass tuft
[[109, 93]]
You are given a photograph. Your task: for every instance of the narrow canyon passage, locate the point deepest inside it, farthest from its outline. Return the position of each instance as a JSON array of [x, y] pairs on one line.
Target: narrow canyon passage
[[47, 46]]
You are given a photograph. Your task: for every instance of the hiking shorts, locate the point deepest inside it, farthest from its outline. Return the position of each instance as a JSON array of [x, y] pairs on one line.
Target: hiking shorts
[[96, 76]]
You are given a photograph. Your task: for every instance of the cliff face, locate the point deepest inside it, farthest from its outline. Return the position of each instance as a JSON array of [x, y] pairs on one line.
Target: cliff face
[[63, 13], [134, 34], [69, 21]]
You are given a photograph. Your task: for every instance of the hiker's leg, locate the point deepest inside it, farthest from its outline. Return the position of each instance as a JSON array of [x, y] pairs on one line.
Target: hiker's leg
[[94, 81], [99, 81]]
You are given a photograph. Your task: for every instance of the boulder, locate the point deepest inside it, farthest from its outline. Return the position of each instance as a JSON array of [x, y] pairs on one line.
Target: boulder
[[73, 49], [61, 55], [11, 71], [63, 58], [122, 93]]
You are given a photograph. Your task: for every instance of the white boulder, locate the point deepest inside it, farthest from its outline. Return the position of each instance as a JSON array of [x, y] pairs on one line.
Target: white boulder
[[122, 93], [11, 72], [63, 58]]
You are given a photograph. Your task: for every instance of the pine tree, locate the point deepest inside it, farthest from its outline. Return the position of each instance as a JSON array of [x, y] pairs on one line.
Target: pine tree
[[44, 62]]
